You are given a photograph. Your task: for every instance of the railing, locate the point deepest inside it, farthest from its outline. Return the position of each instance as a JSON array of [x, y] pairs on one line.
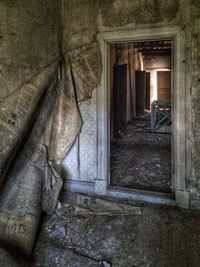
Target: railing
[[161, 116]]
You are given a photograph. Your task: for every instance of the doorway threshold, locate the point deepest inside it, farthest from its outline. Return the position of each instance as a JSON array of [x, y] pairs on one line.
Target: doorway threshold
[[115, 192], [141, 195]]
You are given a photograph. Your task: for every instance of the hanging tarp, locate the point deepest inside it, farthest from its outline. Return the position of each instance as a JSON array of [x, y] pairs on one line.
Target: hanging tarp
[[17, 111], [38, 125], [65, 122], [86, 70], [21, 192]]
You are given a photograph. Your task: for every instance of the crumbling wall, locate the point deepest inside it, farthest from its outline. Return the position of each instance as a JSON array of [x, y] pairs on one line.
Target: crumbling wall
[[84, 19]]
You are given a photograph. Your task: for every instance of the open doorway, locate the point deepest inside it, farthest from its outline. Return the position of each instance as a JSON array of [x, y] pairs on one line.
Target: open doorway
[[141, 93]]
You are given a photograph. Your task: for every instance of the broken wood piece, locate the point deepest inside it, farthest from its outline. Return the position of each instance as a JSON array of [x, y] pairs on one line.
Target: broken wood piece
[[91, 205]]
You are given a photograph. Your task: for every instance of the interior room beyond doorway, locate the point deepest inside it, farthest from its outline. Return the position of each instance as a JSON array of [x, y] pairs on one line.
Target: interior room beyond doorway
[[140, 115]]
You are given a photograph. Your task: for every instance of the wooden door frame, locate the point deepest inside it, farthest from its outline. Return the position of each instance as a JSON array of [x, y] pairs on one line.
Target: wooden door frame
[[102, 183]]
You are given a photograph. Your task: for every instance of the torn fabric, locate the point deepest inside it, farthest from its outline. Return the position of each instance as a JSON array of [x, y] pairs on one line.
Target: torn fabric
[[81, 74], [44, 115], [63, 129], [21, 193], [86, 70], [16, 114]]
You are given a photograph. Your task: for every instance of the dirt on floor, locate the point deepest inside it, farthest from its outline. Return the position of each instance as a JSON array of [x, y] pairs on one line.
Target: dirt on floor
[[141, 159], [157, 236]]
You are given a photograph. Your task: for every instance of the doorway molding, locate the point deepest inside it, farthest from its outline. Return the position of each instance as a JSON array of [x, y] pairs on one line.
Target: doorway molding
[[177, 35]]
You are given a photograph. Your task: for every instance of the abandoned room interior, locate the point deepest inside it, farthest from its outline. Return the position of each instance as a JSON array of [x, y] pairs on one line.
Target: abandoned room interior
[[100, 133]]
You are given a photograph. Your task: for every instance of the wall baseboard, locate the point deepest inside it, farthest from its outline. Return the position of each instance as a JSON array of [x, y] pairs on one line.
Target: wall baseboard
[[121, 193], [79, 186], [141, 196]]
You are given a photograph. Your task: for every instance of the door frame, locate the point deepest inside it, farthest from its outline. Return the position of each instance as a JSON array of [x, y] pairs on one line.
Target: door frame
[[102, 183]]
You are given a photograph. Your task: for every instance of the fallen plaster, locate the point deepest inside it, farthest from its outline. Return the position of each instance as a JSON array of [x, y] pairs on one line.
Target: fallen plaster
[[99, 207], [140, 240]]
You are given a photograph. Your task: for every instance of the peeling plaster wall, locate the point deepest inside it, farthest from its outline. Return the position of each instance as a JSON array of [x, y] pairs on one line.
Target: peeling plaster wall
[[29, 40], [84, 19], [194, 83]]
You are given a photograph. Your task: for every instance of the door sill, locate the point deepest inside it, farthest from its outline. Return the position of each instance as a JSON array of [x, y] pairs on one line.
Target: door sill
[[141, 195]]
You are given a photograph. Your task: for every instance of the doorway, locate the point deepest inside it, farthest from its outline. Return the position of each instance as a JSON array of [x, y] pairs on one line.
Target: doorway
[[141, 79], [179, 119]]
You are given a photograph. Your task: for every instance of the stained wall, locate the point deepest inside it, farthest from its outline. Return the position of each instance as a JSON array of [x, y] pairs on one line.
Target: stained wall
[[29, 40]]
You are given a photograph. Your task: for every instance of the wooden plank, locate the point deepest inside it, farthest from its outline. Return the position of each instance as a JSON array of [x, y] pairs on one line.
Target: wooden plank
[[164, 85], [147, 97], [91, 205]]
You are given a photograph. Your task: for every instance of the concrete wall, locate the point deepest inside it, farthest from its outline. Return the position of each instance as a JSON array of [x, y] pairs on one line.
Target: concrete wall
[[84, 19], [29, 40]]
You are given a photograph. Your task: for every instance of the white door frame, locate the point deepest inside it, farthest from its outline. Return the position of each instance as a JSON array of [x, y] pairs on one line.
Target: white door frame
[[176, 34]]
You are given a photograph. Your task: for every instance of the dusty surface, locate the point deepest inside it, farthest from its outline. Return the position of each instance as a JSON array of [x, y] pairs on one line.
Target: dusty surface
[[160, 236], [141, 159]]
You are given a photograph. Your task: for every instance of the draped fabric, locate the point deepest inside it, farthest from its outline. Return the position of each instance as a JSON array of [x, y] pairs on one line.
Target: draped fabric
[[21, 192], [17, 111], [38, 125]]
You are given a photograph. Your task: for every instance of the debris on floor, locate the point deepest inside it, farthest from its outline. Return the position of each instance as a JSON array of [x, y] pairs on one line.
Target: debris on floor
[[160, 236], [141, 159]]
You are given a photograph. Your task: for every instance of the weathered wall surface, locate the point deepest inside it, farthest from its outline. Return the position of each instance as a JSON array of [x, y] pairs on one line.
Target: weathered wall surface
[[84, 19], [194, 85], [29, 40]]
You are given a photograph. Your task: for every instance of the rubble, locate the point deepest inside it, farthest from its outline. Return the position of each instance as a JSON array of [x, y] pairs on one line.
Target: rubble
[[99, 207], [141, 159], [118, 240]]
